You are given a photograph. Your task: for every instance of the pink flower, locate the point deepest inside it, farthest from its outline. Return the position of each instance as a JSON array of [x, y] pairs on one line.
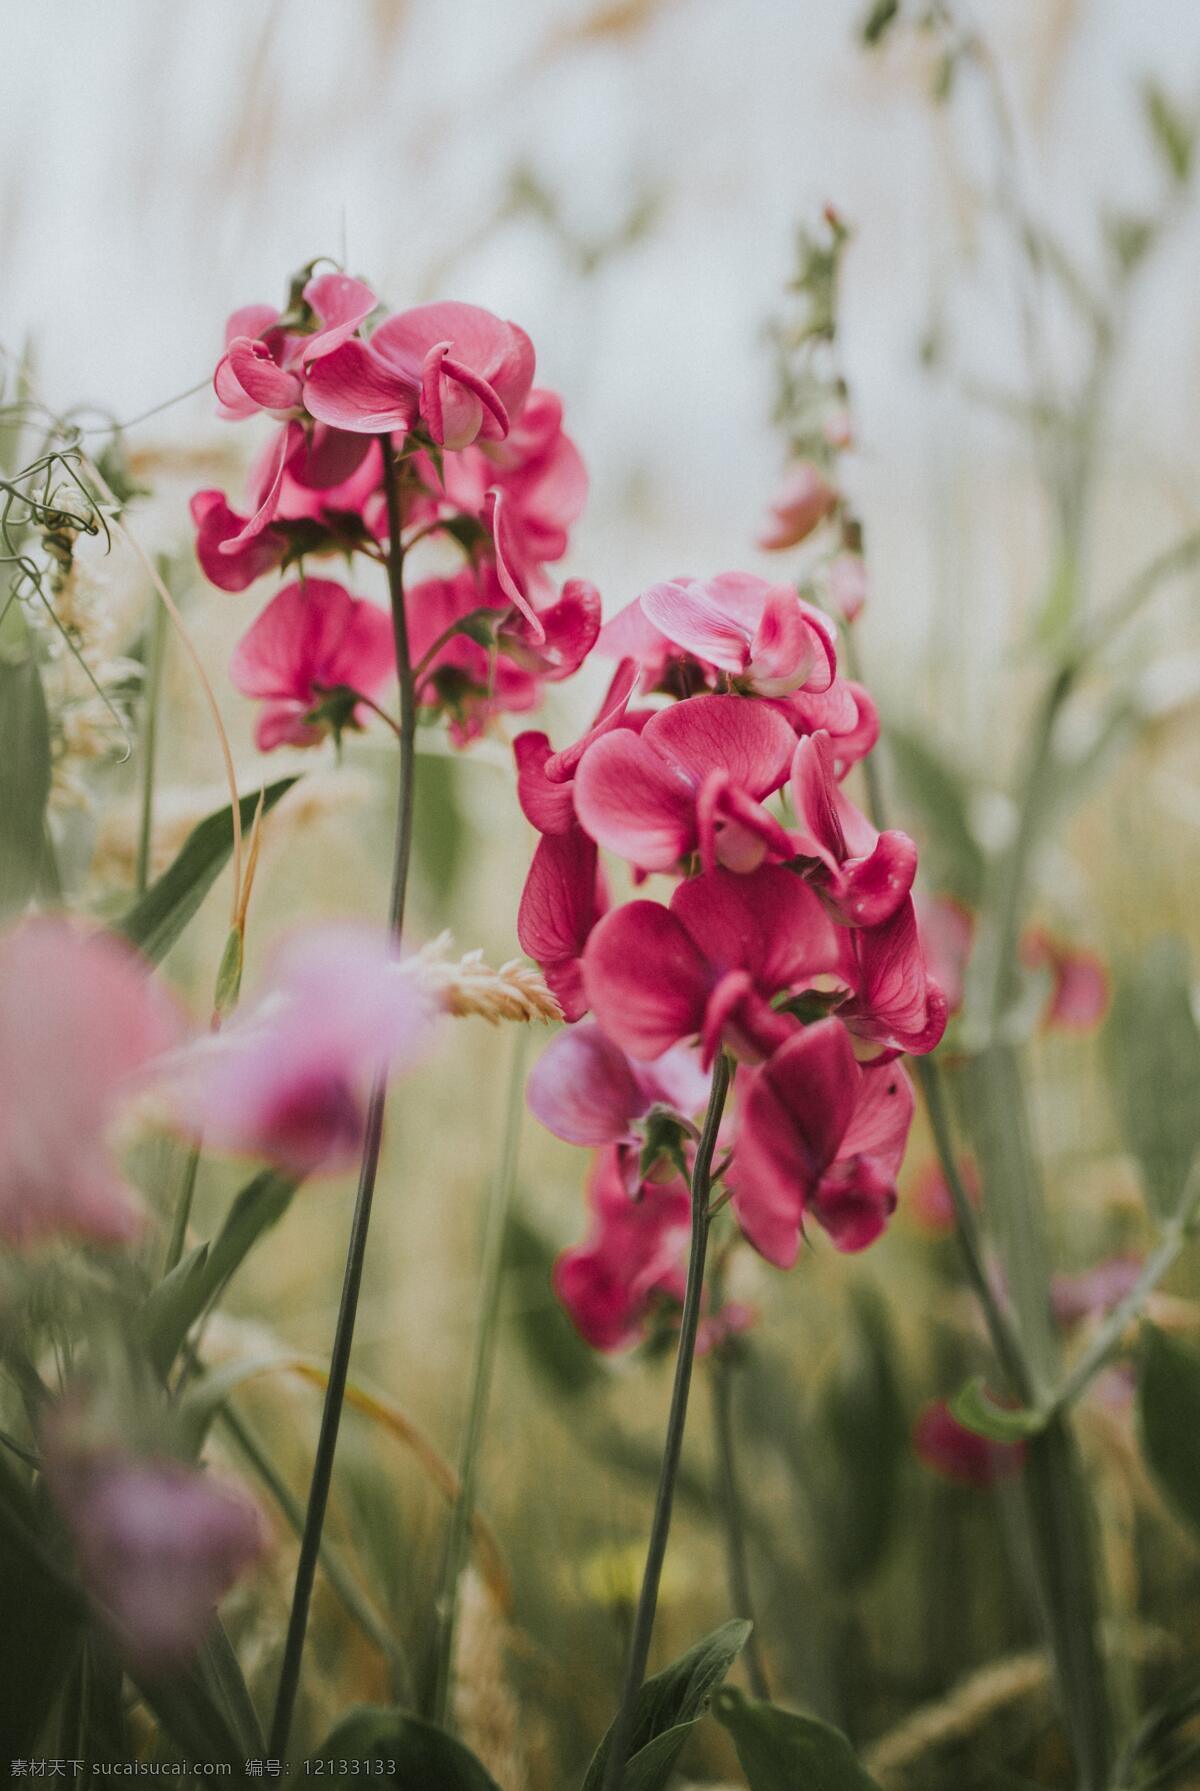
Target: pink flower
[[818, 1134], [1079, 988], [845, 712], [465, 371], [633, 1256], [263, 366], [895, 1005], [711, 965], [804, 500], [546, 779], [80, 1022], [947, 931], [863, 874], [958, 1454], [158, 1543], [761, 635], [469, 681], [289, 1077], [692, 778], [586, 1090], [311, 640], [931, 1202], [563, 898], [847, 585], [1094, 1291]]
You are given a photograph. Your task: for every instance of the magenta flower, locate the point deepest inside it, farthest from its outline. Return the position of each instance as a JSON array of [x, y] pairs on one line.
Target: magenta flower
[[288, 1078], [961, 1456], [586, 1090], [804, 500], [463, 370], [311, 640], [632, 1258], [691, 779], [863, 874], [818, 1134], [895, 1004], [263, 365], [563, 898], [546, 779], [711, 965], [470, 681], [158, 1543], [845, 712], [80, 1023]]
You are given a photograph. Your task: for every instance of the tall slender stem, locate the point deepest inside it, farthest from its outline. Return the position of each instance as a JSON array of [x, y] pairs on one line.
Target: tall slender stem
[[730, 1499], [343, 1337], [491, 1277], [643, 1622], [154, 672], [183, 1207]]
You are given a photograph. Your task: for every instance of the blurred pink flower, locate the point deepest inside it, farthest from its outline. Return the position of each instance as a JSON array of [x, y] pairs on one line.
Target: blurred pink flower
[[158, 1543], [958, 1454], [289, 1076], [947, 931], [80, 1022], [711, 965], [847, 585], [1079, 987], [466, 373], [563, 898], [313, 638], [692, 778], [1095, 1291], [862, 873], [633, 1256], [803, 500], [818, 1135], [471, 682], [931, 1204]]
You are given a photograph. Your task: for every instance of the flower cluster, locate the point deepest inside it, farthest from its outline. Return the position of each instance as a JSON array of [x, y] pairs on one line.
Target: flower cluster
[[484, 462], [788, 940]]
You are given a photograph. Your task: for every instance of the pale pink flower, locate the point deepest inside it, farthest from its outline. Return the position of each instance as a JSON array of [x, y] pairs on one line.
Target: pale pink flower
[[263, 365], [289, 1076], [848, 587], [158, 1542], [763, 636], [804, 500], [80, 1023], [312, 639]]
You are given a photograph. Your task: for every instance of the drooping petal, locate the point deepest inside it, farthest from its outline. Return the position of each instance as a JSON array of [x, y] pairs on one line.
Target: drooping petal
[[549, 806], [560, 905], [217, 524], [583, 1089], [254, 370], [286, 443], [686, 614]]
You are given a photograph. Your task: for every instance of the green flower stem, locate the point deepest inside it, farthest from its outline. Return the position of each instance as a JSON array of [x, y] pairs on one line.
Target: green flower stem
[[643, 1622], [462, 1511], [343, 1339], [150, 696], [729, 1495], [183, 1207]]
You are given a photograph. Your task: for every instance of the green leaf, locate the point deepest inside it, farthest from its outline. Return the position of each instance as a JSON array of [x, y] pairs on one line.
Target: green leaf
[[1153, 1049], [781, 1752], [668, 1707], [38, 1651], [1169, 1413], [158, 918], [865, 1440], [190, 1712], [173, 1307], [401, 1749], [879, 21], [24, 772], [975, 1409], [953, 858], [555, 1350], [1174, 134]]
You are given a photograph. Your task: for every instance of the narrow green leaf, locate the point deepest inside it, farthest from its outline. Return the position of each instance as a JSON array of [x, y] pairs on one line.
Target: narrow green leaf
[[1173, 133], [397, 1748], [38, 1651], [781, 1752], [191, 1715], [158, 918], [1169, 1413], [176, 1303], [975, 1408], [1153, 1048], [24, 774], [862, 1422], [668, 1707], [556, 1351], [879, 21]]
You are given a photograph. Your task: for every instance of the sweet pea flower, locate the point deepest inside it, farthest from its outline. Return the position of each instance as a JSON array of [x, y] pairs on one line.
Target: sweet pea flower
[[692, 778], [931, 1203], [264, 364], [958, 1454], [802, 502], [947, 931], [762, 635], [1078, 996], [847, 585], [312, 639], [289, 1076], [546, 779], [464, 371], [80, 1023], [633, 1256], [586, 1090], [563, 898], [845, 712], [818, 1134], [711, 965], [158, 1542], [895, 1004], [863, 874], [1093, 1292]]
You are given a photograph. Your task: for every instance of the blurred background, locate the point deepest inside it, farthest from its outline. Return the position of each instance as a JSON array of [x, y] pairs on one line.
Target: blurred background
[[625, 179]]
